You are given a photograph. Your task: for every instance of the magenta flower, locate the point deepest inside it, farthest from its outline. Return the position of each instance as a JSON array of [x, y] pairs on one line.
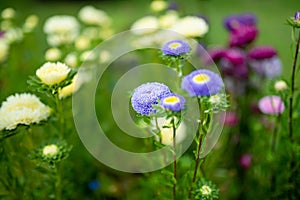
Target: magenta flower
[[245, 161], [271, 105], [213, 55], [242, 36], [229, 118], [234, 21]]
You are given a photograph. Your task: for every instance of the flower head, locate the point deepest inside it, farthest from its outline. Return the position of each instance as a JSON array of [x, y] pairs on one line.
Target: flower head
[[262, 52], [53, 73], [297, 16], [53, 54], [191, 26], [93, 16], [271, 105], [50, 150], [158, 5], [280, 85], [243, 36], [145, 25], [202, 82], [146, 95], [234, 21], [173, 102], [213, 55], [175, 48], [245, 160], [23, 109], [205, 190]]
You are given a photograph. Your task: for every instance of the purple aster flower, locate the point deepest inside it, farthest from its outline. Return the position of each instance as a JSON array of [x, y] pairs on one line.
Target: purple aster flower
[[175, 48], [202, 82], [297, 16], [233, 64], [271, 105], [245, 160], [173, 102], [234, 21], [242, 36], [146, 95], [213, 55], [264, 61]]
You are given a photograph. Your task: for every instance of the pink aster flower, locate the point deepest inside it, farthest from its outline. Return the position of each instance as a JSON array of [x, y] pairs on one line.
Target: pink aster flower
[[245, 161], [271, 105]]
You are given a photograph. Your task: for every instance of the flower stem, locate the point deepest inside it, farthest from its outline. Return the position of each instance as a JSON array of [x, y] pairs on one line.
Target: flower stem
[[58, 192], [174, 164], [59, 116]]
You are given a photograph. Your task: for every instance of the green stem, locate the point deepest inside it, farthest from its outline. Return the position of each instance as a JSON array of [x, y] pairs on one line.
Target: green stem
[[59, 116], [57, 183], [174, 164]]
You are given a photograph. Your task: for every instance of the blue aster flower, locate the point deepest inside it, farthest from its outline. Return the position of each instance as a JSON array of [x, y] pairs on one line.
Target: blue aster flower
[[146, 95], [173, 102], [202, 82], [175, 48]]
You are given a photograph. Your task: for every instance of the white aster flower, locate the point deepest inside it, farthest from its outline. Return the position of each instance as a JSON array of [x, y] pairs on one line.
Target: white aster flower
[[22, 109], [30, 23], [145, 25], [71, 60], [82, 43], [158, 5], [53, 73], [53, 54], [169, 19], [50, 150], [92, 16], [13, 35], [4, 47], [191, 26], [69, 89], [8, 13], [280, 85]]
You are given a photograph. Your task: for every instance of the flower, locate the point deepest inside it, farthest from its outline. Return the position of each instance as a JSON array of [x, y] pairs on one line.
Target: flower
[[166, 131], [173, 102], [30, 23], [264, 61], [245, 161], [69, 89], [145, 25], [175, 48], [229, 119], [146, 95], [92, 16], [205, 190], [242, 36], [82, 43], [168, 20], [191, 26], [297, 16], [53, 54], [8, 13], [202, 82], [53, 73], [61, 29], [213, 55], [234, 21], [50, 150], [158, 5], [280, 85], [271, 105], [71, 60], [24, 109]]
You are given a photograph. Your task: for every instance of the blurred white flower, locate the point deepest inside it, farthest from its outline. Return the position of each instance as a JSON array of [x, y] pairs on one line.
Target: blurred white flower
[[158, 5], [82, 43], [8, 13], [104, 56], [167, 133], [191, 26], [13, 35], [6, 25], [92, 16], [61, 29], [145, 25], [71, 60], [53, 54], [4, 48], [53, 73], [169, 19], [30, 23], [87, 56], [280, 85], [22, 109], [50, 150]]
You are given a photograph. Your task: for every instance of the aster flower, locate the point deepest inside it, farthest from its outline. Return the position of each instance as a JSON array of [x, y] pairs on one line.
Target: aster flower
[[169, 19], [53, 54], [294, 21], [205, 190], [264, 61], [271, 105], [234, 21], [175, 48], [191, 26], [242, 36], [158, 5], [145, 25], [245, 161], [53, 73], [173, 102], [213, 55], [147, 95], [23, 109], [93, 16], [280, 86], [70, 89], [30, 23], [202, 82]]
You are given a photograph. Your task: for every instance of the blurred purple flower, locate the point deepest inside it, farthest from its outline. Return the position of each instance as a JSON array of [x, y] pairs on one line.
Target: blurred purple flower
[[213, 55], [233, 64], [234, 21], [297, 16], [264, 61], [173, 102], [202, 82], [175, 48], [229, 119], [271, 105], [146, 95], [245, 161], [242, 36]]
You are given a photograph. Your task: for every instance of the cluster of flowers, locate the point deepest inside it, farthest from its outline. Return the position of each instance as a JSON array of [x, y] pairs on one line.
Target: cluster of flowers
[[11, 33], [71, 40]]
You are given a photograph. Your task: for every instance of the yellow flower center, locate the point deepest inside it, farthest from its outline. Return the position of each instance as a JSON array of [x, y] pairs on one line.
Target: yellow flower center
[[171, 100], [201, 78], [205, 190], [175, 45]]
